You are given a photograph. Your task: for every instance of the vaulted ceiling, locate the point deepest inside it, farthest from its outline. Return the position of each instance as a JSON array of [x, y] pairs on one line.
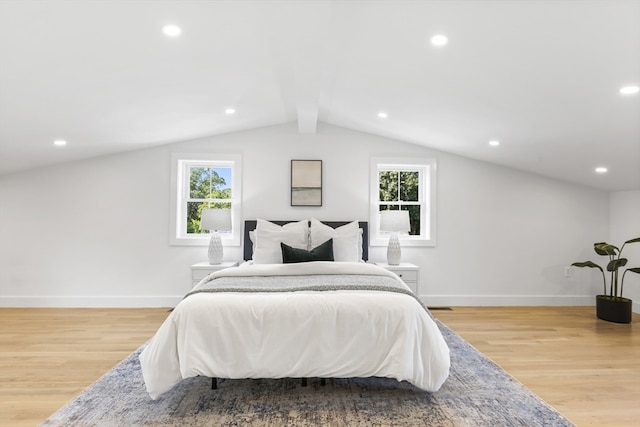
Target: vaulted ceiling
[[541, 77]]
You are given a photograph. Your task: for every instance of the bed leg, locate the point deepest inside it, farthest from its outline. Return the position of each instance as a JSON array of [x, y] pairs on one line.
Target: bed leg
[[323, 381], [214, 383], [304, 382]]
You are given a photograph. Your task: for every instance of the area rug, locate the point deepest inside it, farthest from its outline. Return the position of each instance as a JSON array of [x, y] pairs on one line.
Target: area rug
[[477, 393]]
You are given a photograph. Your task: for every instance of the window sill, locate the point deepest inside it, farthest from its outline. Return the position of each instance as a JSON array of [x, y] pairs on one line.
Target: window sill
[[193, 241], [384, 241]]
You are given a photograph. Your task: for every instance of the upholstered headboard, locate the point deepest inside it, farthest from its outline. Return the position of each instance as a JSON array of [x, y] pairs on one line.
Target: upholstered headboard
[[250, 225]]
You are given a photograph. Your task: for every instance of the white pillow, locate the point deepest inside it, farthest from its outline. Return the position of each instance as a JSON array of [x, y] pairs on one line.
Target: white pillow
[[345, 239], [270, 235]]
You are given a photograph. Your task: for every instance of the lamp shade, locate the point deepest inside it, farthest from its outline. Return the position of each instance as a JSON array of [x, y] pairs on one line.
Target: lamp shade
[[394, 221], [216, 219]]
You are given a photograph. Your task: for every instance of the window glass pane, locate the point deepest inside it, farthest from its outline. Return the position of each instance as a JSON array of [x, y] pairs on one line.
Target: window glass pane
[[414, 216], [198, 183], [194, 214], [209, 183], [388, 186], [223, 190], [414, 219], [409, 186]]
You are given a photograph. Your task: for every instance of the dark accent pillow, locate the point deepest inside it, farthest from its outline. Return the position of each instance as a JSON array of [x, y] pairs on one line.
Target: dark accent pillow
[[323, 252]]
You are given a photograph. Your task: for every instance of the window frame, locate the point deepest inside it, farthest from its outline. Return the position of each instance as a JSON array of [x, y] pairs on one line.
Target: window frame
[[427, 168], [180, 178]]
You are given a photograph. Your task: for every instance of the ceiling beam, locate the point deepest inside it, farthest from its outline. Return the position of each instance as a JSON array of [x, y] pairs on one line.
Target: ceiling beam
[[307, 118], [309, 53], [307, 85], [301, 43]]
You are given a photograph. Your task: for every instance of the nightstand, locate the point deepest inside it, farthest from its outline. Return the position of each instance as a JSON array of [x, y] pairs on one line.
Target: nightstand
[[409, 273], [202, 269]]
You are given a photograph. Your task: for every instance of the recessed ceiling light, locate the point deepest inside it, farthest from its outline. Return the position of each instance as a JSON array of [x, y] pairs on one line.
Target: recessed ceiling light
[[601, 169], [229, 111], [383, 115], [171, 30], [629, 90], [59, 142], [439, 40], [494, 143]]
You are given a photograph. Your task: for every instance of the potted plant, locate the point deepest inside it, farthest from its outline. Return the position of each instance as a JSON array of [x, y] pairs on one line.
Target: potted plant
[[612, 306]]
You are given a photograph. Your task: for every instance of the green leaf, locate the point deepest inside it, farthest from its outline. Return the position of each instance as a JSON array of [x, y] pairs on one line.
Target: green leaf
[[604, 248], [636, 240], [589, 264], [616, 264], [633, 270]]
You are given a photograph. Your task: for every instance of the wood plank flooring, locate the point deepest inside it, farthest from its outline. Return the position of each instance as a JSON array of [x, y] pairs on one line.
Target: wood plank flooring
[[586, 368], [48, 356]]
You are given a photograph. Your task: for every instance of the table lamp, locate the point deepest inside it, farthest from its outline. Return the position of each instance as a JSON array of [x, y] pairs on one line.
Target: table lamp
[[215, 220], [394, 222]]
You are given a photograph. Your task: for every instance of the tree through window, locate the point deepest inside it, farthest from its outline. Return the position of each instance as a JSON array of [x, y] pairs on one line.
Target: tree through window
[[202, 181], [209, 187], [400, 190], [407, 184]]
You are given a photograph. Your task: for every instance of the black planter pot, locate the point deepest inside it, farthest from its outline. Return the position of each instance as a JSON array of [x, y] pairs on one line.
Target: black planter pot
[[613, 310]]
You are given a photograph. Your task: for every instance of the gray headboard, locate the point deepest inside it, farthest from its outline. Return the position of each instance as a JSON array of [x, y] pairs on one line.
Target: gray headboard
[[250, 225]]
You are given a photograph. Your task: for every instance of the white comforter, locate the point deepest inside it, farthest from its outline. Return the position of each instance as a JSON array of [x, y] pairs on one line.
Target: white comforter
[[328, 334]]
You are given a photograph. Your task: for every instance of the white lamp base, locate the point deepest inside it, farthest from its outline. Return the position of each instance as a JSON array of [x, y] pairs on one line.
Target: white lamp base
[[393, 250], [215, 248]]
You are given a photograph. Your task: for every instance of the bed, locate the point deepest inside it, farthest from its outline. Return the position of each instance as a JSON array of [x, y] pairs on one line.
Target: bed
[[275, 316]]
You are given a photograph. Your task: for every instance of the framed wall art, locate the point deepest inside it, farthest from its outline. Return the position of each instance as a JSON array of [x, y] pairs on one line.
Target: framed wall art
[[306, 182]]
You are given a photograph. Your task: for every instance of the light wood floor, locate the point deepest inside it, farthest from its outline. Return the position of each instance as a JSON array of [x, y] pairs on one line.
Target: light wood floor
[[587, 369], [48, 356]]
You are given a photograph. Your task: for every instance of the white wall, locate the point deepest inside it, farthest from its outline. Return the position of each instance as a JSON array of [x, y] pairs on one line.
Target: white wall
[[95, 233], [625, 225]]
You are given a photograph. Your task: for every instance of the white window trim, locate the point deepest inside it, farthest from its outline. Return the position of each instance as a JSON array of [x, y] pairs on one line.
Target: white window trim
[[177, 230], [429, 166]]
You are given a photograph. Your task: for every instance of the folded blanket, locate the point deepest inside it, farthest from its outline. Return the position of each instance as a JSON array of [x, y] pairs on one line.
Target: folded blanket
[[294, 283]]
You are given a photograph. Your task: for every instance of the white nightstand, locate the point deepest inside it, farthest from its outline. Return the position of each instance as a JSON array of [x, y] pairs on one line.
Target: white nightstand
[[202, 269], [409, 273]]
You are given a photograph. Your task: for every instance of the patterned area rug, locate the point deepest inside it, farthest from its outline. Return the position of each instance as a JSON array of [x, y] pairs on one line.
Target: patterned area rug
[[477, 393]]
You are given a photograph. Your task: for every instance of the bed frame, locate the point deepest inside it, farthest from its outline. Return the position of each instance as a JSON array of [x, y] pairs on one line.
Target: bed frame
[[250, 225]]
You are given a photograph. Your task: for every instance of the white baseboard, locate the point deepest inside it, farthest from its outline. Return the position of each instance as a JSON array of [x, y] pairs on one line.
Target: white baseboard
[[507, 300], [430, 300], [90, 302], [513, 300]]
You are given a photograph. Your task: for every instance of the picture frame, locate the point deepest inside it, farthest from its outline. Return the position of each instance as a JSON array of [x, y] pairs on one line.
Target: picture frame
[[306, 182]]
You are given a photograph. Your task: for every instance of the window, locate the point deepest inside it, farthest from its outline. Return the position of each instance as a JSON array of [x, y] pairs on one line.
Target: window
[[404, 184], [204, 181]]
